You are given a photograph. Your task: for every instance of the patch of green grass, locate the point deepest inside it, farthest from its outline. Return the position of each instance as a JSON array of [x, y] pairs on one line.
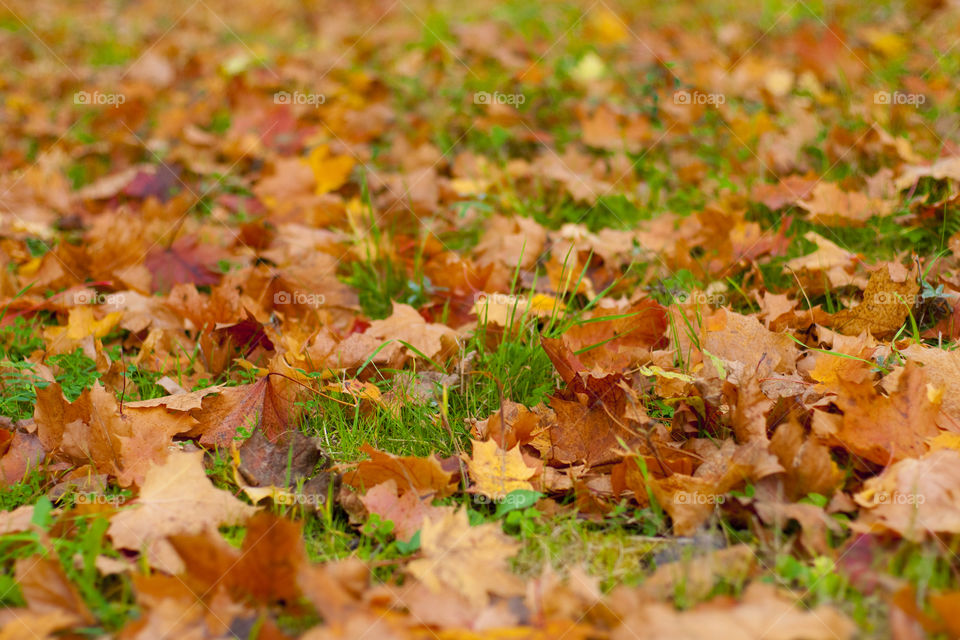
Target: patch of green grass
[[930, 567], [219, 469], [19, 339], [26, 491], [330, 536], [817, 581], [76, 547], [517, 366], [380, 281], [75, 372], [110, 52], [18, 383], [513, 367], [18, 379], [620, 550], [609, 212], [142, 384], [413, 429]]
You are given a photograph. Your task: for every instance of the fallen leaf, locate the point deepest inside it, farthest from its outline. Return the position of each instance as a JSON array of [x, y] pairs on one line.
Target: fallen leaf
[[94, 429], [405, 510], [262, 405], [831, 205], [807, 462], [406, 325], [916, 498], [885, 429], [187, 260], [885, 306], [762, 612], [422, 476], [330, 171], [471, 561], [176, 498], [830, 259], [47, 590], [497, 472], [738, 338], [261, 570], [942, 369]]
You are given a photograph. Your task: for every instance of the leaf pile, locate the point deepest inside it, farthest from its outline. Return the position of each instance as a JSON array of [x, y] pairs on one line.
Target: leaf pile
[[317, 319]]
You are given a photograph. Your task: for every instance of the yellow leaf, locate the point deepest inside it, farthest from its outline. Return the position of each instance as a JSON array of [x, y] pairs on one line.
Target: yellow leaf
[[502, 309], [544, 305], [654, 370], [249, 366], [82, 323], [497, 472], [946, 440], [779, 82], [30, 267], [607, 26], [330, 172], [356, 388], [589, 69], [889, 44], [468, 186]]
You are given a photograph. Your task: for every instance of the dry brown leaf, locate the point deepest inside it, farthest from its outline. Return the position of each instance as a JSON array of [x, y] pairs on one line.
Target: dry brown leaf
[[512, 241], [814, 522], [762, 612], [261, 570], [835, 262], [186, 401], [93, 429], [916, 498], [471, 561], [423, 476], [264, 405], [738, 338], [47, 590], [808, 464], [405, 510], [831, 205], [176, 498], [406, 325], [942, 369], [699, 574], [885, 429], [885, 306], [24, 624]]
